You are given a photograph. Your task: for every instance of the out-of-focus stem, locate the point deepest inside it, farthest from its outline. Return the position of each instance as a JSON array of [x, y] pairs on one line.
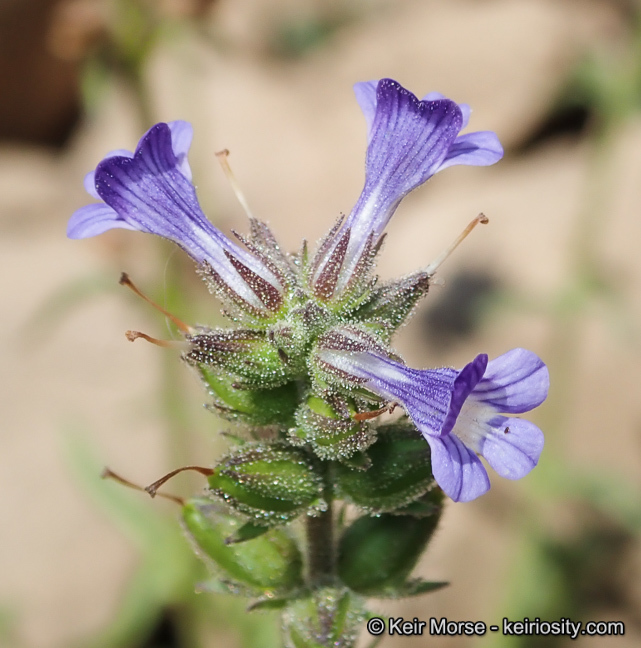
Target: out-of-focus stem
[[320, 546]]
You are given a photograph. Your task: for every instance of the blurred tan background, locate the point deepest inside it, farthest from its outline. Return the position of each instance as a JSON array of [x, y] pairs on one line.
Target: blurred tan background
[[557, 271]]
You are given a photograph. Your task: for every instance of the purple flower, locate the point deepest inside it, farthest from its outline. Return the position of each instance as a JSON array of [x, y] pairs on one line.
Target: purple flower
[[150, 190], [460, 413], [408, 142]]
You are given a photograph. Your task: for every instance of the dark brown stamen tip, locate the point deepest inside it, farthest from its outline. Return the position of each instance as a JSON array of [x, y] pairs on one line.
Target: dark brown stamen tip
[[107, 473], [126, 281]]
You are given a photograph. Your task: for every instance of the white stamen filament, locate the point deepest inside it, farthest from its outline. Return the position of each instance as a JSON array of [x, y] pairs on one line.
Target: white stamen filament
[[240, 196], [433, 267]]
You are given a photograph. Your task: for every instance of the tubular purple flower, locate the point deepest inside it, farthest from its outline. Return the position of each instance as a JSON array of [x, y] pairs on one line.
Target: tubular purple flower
[[150, 190], [460, 413], [408, 142]]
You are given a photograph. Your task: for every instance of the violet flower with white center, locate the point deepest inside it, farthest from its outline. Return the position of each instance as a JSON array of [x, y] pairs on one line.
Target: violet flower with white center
[[150, 190], [460, 413], [408, 142]]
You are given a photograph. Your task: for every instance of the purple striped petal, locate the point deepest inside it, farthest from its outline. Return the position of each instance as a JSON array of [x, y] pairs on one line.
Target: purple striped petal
[[515, 382], [512, 446], [457, 469], [464, 385], [466, 111], [477, 149], [151, 191], [92, 220], [458, 412], [408, 142]]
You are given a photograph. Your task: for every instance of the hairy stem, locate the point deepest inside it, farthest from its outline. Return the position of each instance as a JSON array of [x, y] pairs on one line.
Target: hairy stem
[[320, 546]]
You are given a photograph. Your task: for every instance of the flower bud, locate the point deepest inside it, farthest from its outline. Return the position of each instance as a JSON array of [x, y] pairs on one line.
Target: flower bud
[[327, 425], [328, 618], [270, 483], [377, 554], [399, 473], [253, 406], [270, 562]]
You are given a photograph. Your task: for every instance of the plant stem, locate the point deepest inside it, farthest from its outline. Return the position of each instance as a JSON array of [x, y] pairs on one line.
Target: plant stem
[[320, 547]]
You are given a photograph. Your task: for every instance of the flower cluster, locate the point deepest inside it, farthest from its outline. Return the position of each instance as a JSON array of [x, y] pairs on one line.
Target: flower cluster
[[319, 326], [307, 357]]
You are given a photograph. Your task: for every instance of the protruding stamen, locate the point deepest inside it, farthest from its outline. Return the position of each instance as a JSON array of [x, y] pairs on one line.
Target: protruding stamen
[[167, 344], [366, 416], [433, 267], [126, 281], [152, 488], [107, 473], [240, 196]]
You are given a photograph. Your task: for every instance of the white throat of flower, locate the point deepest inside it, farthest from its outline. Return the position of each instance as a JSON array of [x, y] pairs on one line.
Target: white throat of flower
[[472, 424]]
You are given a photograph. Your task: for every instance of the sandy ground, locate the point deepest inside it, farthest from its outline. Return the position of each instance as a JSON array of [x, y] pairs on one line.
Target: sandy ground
[[297, 141]]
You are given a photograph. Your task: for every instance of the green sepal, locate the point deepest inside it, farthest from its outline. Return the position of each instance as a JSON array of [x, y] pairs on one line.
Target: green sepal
[[251, 354], [431, 503], [272, 602], [271, 483], [414, 587], [326, 424], [271, 562], [400, 471], [246, 532], [253, 406], [358, 461], [377, 554], [327, 618]]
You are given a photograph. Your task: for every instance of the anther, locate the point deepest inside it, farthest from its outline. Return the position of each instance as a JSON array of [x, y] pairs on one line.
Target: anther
[[107, 473], [240, 196], [433, 267], [167, 344], [153, 488], [126, 281]]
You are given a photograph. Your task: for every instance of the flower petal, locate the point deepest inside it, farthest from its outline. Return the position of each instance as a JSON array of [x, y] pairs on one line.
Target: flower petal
[[465, 108], [92, 220], [515, 382], [512, 447], [365, 92], [90, 178], [481, 148], [457, 469], [464, 385], [425, 394], [409, 141], [182, 133], [150, 191]]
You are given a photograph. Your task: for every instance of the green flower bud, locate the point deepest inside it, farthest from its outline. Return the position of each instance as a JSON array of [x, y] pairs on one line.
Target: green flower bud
[[253, 406], [377, 554], [270, 483], [400, 471], [328, 618], [270, 562], [327, 425]]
